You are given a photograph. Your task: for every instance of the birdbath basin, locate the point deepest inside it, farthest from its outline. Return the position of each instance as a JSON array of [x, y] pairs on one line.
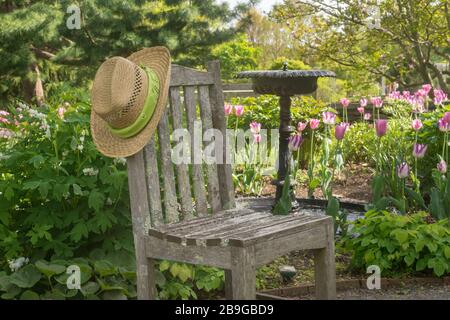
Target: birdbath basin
[[285, 84]]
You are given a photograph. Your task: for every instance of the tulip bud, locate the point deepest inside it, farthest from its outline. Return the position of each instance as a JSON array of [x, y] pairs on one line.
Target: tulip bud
[[403, 170], [301, 126], [238, 110], [419, 150], [314, 123], [416, 124], [339, 131], [255, 127], [442, 166], [381, 127], [295, 142]]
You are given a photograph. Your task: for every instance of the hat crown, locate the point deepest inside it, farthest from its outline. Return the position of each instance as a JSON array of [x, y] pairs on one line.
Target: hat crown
[[119, 91]]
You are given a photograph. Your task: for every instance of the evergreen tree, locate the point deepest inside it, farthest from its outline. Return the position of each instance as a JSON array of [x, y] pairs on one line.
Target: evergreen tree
[[35, 41]]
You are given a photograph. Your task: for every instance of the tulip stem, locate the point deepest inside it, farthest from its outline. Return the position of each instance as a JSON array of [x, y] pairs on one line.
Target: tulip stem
[[311, 165]]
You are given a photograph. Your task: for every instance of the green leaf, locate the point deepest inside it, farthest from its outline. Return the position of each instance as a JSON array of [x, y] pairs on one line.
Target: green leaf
[[104, 268], [409, 259], [29, 295], [377, 188], [164, 265], [421, 264], [77, 190], [49, 269], [26, 277], [90, 288], [96, 200], [447, 252], [400, 234]]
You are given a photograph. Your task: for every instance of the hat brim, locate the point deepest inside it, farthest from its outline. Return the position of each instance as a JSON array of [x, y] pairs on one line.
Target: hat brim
[[158, 59]]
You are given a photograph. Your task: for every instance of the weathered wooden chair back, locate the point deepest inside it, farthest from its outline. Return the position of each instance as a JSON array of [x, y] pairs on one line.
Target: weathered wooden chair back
[[187, 190]]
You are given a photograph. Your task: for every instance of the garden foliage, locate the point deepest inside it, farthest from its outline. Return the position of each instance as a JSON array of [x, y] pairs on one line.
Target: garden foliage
[[399, 243]]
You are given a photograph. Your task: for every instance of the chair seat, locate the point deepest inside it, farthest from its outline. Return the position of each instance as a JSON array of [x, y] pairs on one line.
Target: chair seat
[[249, 222]]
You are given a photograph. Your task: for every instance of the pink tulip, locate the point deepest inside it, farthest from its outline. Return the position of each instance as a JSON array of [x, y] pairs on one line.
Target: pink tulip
[[340, 129], [301, 126], [426, 88], [238, 110], [377, 102], [439, 97], [444, 125], [4, 113], [255, 127], [419, 150], [314, 123], [61, 112], [416, 124], [367, 116], [395, 95], [295, 141], [257, 138], [381, 127], [421, 93], [363, 102], [403, 170], [345, 102], [406, 94], [228, 108], [446, 117], [442, 166], [4, 120], [5, 133], [328, 118], [360, 109]]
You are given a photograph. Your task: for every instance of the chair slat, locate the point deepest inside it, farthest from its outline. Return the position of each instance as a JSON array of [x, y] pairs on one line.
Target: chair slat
[[184, 186], [154, 195], [218, 117], [197, 175], [211, 169], [170, 196]]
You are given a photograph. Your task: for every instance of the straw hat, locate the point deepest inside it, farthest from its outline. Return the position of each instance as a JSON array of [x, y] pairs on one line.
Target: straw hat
[[128, 99]]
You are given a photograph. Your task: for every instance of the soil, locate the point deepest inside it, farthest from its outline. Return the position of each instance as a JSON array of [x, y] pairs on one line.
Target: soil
[[353, 184], [403, 292]]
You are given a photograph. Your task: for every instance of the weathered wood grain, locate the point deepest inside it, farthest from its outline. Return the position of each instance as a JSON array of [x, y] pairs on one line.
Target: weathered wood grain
[[183, 76], [217, 257], [139, 213], [223, 169], [170, 197], [196, 145], [211, 169], [152, 184], [243, 273], [325, 268], [184, 185]]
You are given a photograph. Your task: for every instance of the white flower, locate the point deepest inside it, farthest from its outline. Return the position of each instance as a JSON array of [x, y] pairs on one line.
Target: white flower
[[15, 265], [120, 161], [80, 147], [109, 202], [90, 171]]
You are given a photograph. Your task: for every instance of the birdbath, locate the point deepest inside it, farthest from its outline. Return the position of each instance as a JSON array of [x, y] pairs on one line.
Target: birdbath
[[285, 84]]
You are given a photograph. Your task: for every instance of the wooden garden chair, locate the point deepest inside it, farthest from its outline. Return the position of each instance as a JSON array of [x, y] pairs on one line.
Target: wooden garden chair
[[188, 213]]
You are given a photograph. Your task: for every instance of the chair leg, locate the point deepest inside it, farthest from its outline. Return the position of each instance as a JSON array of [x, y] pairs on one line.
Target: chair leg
[[228, 285], [325, 268], [242, 276], [146, 286]]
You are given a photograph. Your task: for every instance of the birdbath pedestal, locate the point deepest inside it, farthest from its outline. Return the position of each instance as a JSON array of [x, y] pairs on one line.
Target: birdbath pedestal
[[285, 84]]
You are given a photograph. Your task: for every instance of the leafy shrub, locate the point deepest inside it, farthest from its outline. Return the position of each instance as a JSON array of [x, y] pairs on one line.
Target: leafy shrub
[[265, 109], [399, 243], [59, 197], [99, 279]]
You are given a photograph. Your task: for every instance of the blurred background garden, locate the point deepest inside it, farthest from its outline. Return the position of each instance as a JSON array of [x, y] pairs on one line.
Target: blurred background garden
[[63, 203]]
